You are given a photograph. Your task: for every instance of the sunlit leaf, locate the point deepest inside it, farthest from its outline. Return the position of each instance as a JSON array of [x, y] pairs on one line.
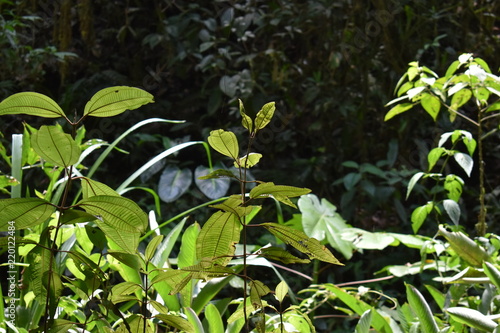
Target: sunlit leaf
[[264, 116], [214, 319], [453, 185], [321, 221], [465, 247], [364, 323], [176, 321], [224, 142], [460, 98], [91, 188], [413, 181], [220, 173], [215, 187], [267, 189], [152, 247], [453, 209], [174, 182], [422, 310], [472, 318], [246, 121], [299, 240], [31, 103], [398, 109], [493, 273], [279, 254], [431, 104], [248, 161], [55, 146], [257, 291], [112, 101], [434, 155], [281, 291], [24, 213], [465, 161], [419, 215]]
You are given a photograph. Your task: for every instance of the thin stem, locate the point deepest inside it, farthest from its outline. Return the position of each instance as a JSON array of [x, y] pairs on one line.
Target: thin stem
[[481, 223]]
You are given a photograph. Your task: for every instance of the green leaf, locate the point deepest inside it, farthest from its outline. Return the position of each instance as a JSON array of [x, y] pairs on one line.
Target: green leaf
[[176, 321], [472, 318], [213, 186], [174, 182], [187, 257], [434, 155], [465, 161], [264, 116], [73, 216], [246, 121], [152, 246], [453, 185], [120, 213], [422, 310], [419, 215], [121, 289], [248, 161], [61, 326], [299, 240], [364, 322], [132, 260], [218, 238], [31, 103], [257, 291], [55, 146], [321, 221], [22, 213], [112, 101], [493, 273], [96, 236], [91, 188], [220, 173], [451, 207], [265, 190], [411, 184], [398, 109], [452, 68], [460, 98], [214, 318], [465, 247], [224, 142], [431, 104], [281, 291], [279, 254]]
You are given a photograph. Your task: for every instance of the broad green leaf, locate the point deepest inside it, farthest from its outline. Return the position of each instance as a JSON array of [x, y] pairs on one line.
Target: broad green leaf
[[453, 185], [220, 173], [281, 291], [378, 322], [415, 92], [398, 109], [224, 142], [493, 273], [419, 215], [321, 221], [91, 188], [112, 101], [73, 216], [279, 254], [452, 68], [176, 321], [472, 318], [411, 184], [152, 247], [422, 310], [453, 209], [437, 295], [61, 326], [248, 161], [404, 88], [364, 322], [55, 146], [299, 240], [117, 212], [234, 205], [268, 189], [482, 94], [174, 182], [218, 238], [264, 116], [123, 288], [362, 239], [465, 161], [206, 269], [431, 104], [31, 103], [257, 291], [460, 98], [434, 155], [465, 247], [213, 187], [96, 236], [187, 257], [40, 259], [22, 213], [493, 107], [132, 260], [214, 319], [246, 121], [137, 324]]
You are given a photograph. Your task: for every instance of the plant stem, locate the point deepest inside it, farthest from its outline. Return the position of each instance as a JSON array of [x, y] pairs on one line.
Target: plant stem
[[481, 223]]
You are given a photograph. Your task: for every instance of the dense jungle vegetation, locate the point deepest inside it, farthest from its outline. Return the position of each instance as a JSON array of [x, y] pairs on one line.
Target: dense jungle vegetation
[[376, 121]]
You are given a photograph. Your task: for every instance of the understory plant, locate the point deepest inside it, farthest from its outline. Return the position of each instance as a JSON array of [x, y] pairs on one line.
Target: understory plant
[[83, 257]]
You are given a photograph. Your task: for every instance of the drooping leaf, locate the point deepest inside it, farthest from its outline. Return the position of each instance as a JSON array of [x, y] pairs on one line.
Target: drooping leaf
[[112, 101], [55, 146], [299, 240], [279, 254], [493, 273], [453, 185], [31, 103], [257, 291], [24, 212], [123, 288], [224, 142], [472, 318], [420, 214], [364, 323], [465, 161], [279, 192], [453, 209], [398, 109], [152, 247], [434, 155], [422, 310], [218, 238], [321, 220], [246, 121], [431, 104], [213, 188], [176, 321], [465, 247], [264, 116], [248, 161], [91, 188], [40, 259], [120, 213], [411, 184], [173, 183], [132, 260]]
